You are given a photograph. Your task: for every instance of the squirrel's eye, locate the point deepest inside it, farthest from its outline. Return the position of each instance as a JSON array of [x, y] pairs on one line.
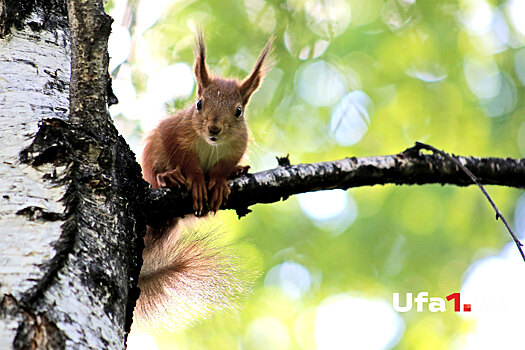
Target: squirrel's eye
[[199, 105], [238, 112]]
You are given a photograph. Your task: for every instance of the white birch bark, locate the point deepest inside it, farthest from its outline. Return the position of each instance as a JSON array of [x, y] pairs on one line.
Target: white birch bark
[[29, 64], [65, 312]]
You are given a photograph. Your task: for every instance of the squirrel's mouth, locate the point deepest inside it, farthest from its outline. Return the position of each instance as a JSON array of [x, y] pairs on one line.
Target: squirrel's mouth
[[212, 139]]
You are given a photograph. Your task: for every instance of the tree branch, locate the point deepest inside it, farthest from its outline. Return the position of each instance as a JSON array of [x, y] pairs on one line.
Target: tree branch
[[409, 167], [475, 180]]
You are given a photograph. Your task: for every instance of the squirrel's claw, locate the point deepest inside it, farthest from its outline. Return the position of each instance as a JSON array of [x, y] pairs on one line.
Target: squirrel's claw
[[220, 193], [171, 178], [196, 185]]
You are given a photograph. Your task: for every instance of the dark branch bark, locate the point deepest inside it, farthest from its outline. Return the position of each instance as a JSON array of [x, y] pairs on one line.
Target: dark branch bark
[[410, 167], [90, 28], [474, 179]]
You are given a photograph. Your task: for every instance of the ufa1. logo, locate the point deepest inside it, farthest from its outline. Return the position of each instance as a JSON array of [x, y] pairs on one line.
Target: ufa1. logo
[[435, 304]]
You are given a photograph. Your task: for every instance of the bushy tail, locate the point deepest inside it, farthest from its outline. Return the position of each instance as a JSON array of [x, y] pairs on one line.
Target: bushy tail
[[187, 276]]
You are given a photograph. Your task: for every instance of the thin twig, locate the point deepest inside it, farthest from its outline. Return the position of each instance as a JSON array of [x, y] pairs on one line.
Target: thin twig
[[475, 180]]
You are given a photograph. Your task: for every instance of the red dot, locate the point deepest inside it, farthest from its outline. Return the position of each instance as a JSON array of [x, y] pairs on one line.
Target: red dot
[[466, 307]]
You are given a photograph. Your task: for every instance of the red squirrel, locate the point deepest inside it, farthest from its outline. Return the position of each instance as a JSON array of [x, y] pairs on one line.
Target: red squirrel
[[207, 138], [182, 269]]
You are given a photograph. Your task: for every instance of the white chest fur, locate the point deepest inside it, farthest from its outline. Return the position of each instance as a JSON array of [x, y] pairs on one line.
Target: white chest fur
[[209, 155]]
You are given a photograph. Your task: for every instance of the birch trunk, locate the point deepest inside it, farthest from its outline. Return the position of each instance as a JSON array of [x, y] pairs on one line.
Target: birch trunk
[[68, 233]]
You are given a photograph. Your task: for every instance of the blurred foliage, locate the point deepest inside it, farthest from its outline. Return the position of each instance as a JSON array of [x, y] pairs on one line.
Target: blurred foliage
[[428, 71]]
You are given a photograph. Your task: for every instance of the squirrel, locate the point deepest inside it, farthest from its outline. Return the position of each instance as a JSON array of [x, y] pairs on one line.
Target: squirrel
[[185, 274]]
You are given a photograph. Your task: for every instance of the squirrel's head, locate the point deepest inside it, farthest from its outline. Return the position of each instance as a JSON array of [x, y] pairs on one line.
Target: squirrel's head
[[219, 110]]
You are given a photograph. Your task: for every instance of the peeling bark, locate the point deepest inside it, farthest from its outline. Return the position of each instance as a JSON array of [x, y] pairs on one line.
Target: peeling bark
[[35, 331]]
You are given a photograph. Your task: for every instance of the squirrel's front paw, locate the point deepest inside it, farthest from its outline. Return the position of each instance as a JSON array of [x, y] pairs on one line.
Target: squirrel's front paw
[[220, 192], [171, 178], [197, 187]]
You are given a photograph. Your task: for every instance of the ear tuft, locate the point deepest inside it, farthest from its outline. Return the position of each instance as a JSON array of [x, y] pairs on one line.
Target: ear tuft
[[253, 81], [200, 68]]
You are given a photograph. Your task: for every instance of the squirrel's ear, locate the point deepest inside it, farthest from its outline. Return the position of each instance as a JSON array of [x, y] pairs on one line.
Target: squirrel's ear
[[252, 82], [200, 69]]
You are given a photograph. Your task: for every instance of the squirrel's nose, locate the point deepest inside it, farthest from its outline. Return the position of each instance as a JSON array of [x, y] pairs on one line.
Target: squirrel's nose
[[214, 129]]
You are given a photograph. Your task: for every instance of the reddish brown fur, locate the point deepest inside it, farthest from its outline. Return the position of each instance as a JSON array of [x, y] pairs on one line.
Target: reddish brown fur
[[182, 269], [187, 276], [176, 150]]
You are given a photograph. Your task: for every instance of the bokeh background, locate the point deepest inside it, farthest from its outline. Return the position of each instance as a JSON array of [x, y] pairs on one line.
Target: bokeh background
[[352, 78]]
